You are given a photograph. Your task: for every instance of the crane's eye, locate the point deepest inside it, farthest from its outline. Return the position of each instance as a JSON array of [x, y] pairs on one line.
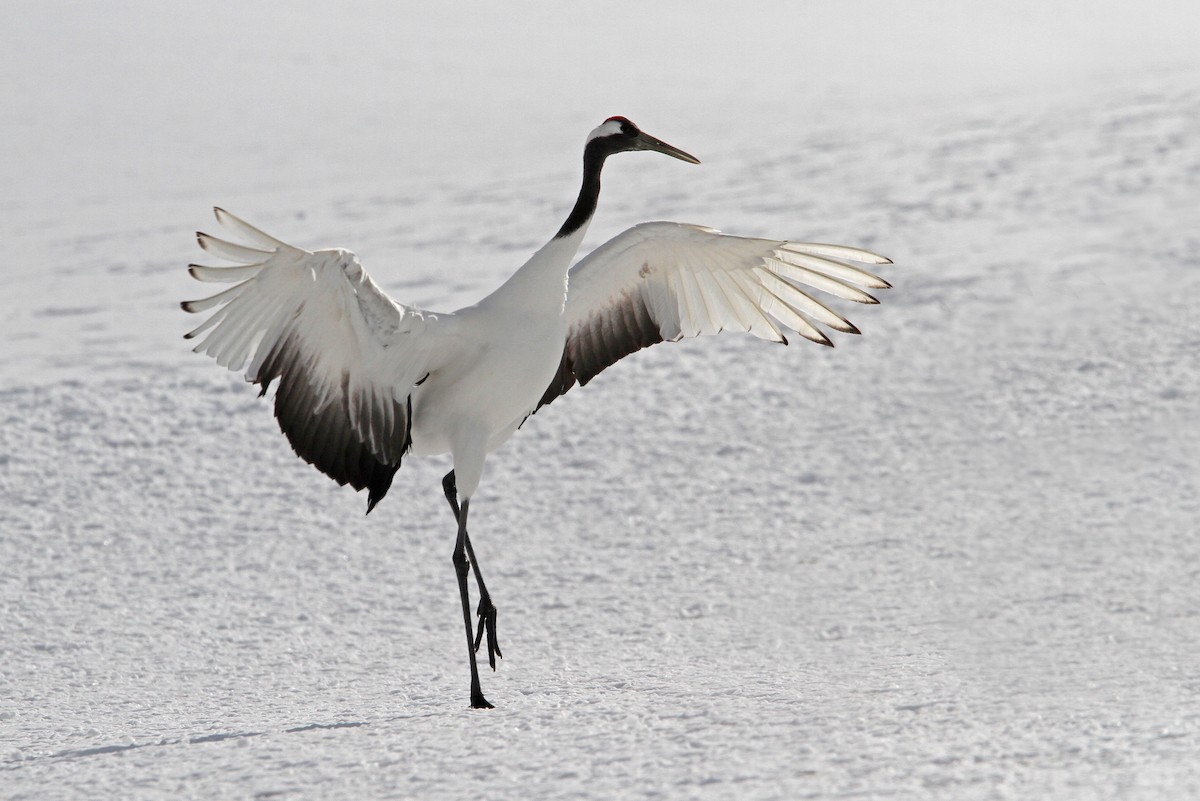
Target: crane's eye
[[629, 129]]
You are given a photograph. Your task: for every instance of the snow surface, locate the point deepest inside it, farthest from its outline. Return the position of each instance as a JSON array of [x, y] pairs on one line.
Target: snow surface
[[954, 558]]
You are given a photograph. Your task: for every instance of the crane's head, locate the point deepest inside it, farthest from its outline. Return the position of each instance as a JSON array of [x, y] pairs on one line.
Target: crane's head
[[618, 134]]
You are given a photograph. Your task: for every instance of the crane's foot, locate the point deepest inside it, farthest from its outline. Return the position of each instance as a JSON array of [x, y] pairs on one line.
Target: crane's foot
[[479, 702], [487, 623]]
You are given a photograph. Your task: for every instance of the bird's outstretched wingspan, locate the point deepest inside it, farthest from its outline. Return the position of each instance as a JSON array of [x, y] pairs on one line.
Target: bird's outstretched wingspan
[[664, 281], [346, 355]]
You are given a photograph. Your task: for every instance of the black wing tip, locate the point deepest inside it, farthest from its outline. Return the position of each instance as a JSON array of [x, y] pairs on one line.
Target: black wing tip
[[379, 484], [188, 306], [373, 498]]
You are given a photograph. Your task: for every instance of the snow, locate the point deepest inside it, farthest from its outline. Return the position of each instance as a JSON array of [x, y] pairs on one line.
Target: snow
[[953, 558]]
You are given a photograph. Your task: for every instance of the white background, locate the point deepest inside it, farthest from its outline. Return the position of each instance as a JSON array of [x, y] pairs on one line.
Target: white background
[[953, 558]]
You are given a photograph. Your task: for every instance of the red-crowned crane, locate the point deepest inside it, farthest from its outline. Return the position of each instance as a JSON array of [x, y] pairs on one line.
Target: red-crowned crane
[[364, 380]]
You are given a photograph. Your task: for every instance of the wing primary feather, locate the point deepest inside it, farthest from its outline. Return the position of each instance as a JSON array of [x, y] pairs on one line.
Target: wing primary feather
[[790, 316], [216, 317], [838, 252], [232, 343], [224, 275], [255, 235], [204, 304], [820, 281], [228, 250], [238, 318], [836, 269], [801, 301]]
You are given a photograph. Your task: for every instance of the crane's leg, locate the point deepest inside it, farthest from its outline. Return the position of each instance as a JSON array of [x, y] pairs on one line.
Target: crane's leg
[[460, 568], [486, 611]]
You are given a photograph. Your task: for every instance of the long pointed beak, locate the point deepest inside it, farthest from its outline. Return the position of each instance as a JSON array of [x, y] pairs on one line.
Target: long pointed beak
[[647, 142]]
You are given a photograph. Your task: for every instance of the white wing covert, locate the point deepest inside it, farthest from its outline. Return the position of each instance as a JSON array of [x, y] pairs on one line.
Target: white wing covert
[[664, 281], [346, 355]]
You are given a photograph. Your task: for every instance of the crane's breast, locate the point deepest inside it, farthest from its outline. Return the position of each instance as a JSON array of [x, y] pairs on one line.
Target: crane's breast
[[494, 385]]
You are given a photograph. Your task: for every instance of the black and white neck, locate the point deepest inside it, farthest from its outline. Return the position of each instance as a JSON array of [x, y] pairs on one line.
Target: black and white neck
[[614, 135], [542, 279]]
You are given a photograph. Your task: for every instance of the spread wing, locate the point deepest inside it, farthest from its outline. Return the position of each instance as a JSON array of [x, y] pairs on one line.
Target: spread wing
[[663, 281], [345, 354]]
